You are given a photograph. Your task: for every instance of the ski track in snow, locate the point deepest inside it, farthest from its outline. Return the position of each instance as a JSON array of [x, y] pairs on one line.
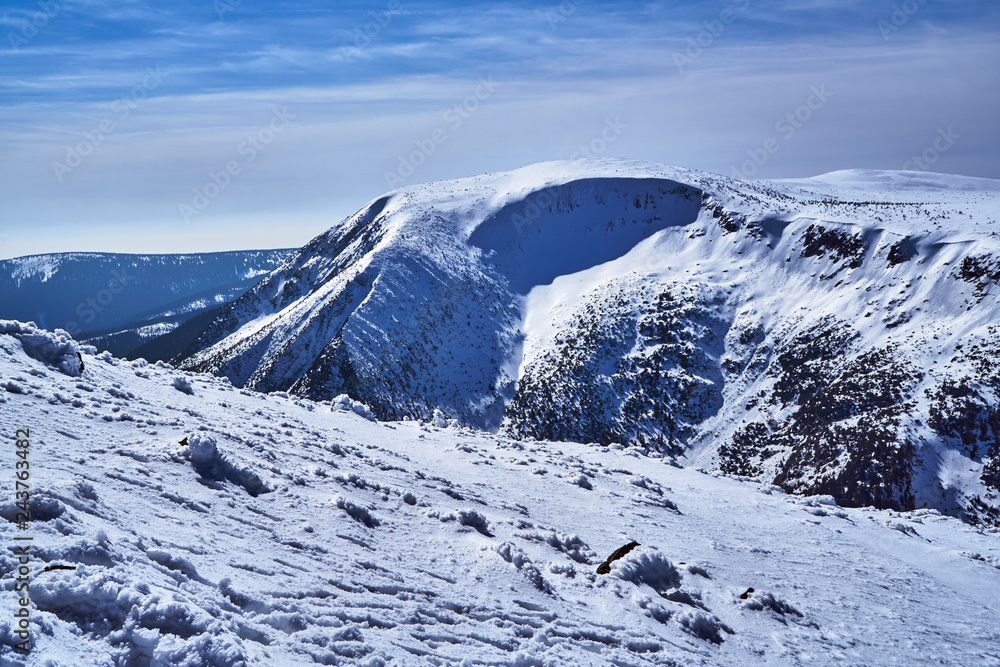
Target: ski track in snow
[[409, 543]]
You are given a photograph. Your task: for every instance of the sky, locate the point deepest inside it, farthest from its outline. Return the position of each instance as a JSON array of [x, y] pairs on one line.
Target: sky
[[233, 124]]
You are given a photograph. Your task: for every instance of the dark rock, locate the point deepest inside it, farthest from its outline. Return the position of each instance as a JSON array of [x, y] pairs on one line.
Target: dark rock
[[620, 552]]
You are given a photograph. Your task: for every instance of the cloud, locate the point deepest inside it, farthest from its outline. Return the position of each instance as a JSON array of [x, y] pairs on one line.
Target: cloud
[[358, 111]]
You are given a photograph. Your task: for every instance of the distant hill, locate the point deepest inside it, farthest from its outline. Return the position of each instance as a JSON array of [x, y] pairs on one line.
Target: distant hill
[[120, 301]]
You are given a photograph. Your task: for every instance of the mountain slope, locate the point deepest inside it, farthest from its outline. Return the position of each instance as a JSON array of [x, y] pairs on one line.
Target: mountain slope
[[830, 335], [177, 520]]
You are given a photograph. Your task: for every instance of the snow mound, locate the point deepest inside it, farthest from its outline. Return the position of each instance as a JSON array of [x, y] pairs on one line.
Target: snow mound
[[650, 567], [439, 419], [702, 625], [345, 403], [474, 519], [356, 512], [53, 348], [182, 384], [212, 464], [520, 560], [571, 545], [470, 518]]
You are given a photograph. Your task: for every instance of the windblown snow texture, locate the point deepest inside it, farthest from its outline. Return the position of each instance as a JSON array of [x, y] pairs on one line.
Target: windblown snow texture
[[220, 527], [833, 335]]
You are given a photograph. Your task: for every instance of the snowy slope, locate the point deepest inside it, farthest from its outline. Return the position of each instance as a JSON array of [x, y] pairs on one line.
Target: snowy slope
[[288, 533], [831, 335]]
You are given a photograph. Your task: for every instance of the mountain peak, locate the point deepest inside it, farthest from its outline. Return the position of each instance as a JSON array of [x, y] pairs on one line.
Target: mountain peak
[[817, 333]]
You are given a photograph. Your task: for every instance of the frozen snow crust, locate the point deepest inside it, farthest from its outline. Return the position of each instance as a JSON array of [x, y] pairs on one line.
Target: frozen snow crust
[[223, 527], [833, 336], [55, 349]]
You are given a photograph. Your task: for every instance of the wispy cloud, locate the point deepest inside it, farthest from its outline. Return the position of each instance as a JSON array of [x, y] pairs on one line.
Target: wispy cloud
[[358, 109]]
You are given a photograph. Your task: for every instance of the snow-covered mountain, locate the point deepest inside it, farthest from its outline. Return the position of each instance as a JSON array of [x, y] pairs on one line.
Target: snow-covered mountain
[[831, 335], [122, 300], [177, 521]]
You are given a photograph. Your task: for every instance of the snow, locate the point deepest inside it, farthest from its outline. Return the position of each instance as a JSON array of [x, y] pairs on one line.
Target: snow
[[286, 532], [41, 266], [183, 384], [345, 403], [55, 349]]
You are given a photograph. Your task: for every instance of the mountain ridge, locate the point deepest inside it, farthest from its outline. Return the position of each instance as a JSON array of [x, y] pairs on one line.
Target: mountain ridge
[[775, 329]]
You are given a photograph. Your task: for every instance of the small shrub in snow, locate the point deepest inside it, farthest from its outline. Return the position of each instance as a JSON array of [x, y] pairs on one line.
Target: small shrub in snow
[[515, 556], [702, 625], [583, 482], [761, 600], [440, 420], [648, 484], [474, 519], [817, 501], [698, 569], [13, 387], [182, 384], [645, 566], [571, 545], [356, 512]]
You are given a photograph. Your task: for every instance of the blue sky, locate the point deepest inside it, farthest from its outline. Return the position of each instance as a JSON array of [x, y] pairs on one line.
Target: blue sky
[[185, 126]]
